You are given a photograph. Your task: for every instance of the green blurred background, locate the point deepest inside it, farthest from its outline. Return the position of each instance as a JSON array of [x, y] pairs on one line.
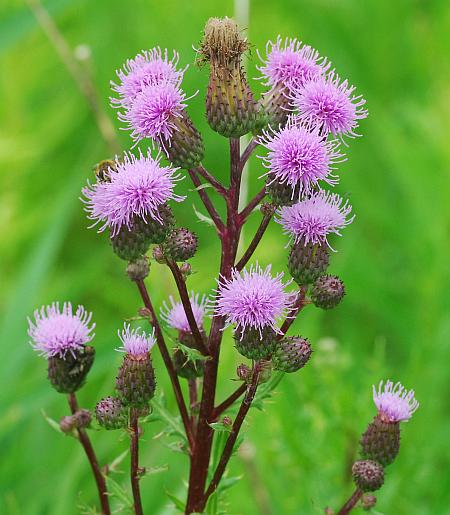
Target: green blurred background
[[394, 322]]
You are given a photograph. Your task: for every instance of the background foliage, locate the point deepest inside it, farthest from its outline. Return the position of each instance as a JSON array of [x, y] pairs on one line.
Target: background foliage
[[394, 322]]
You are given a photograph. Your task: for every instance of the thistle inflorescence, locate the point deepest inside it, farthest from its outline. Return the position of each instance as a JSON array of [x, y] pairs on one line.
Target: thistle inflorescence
[[300, 122]]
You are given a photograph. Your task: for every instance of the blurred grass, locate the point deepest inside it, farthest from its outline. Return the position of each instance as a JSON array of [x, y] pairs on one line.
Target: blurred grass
[[395, 321]]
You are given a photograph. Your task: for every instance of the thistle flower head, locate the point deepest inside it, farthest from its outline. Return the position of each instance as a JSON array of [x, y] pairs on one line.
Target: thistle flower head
[[290, 63], [154, 111], [313, 219], [135, 343], [149, 67], [58, 332], [254, 299], [175, 316], [300, 157], [330, 104], [137, 187], [394, 402]]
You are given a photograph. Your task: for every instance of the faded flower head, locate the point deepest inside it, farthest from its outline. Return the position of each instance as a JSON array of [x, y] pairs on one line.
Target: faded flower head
[[254, 299], [300, 157], [58, 332], [289, 63], [154, 111], [313, 219], [137, 187], [135, 343], [330, 104], [175, 316], [394, 402], [149, 67]]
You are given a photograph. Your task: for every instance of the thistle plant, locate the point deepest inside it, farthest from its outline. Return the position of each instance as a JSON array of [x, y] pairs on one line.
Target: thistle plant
[[301, 123]]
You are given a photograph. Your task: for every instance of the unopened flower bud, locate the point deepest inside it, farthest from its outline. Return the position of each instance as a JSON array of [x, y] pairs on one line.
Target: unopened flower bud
[[307, 262], [268, 209], [103, 168], [292, 354], [138, 269], [67, 424], [185, 367], [181, 244], [226, 421], [158, 255], [256, 344], [111, 413], [230, 106], [264, 369], [68, 374], [186, 270], [131, 244], [368, 475], [185, 147], [381, 441], [368, 501], [327, 292], [244, 372], [83, 418]]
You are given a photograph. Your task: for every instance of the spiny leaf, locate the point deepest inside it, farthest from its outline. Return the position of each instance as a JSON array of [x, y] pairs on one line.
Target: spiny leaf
[[192, 354], [221, 427]]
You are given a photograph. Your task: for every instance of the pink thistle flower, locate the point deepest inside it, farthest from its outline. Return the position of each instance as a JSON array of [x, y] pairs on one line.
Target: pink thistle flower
[[394, 402], [57, 332], [154, 112], [136, 187], [330, 104], [149, 67], [300, 156], [135, 343], [312, 219], [254, 299], [175, 316], [289, 63]]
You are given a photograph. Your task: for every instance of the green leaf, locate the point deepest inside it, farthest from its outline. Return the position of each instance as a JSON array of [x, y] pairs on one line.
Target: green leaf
[[221, 427], [202, 186], [118, 491], [51, 422], [265, 391], [228, 482], [150, 471], [165, 416], [113, 467], [202, 217], [192, 354], [179, 504]]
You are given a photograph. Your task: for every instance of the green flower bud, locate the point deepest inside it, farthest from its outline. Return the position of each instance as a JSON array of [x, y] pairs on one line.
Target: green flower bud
[[292, 354]]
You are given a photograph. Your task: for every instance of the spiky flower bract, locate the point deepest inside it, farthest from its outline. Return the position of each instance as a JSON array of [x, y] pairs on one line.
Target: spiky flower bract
[[58, 331], [313, 219], [134, 342], [394, 402], [149, 67], [154, 112], [300, 157], [290, 63], [137, 187], [175, 316], [330, 104], [253, 299]]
